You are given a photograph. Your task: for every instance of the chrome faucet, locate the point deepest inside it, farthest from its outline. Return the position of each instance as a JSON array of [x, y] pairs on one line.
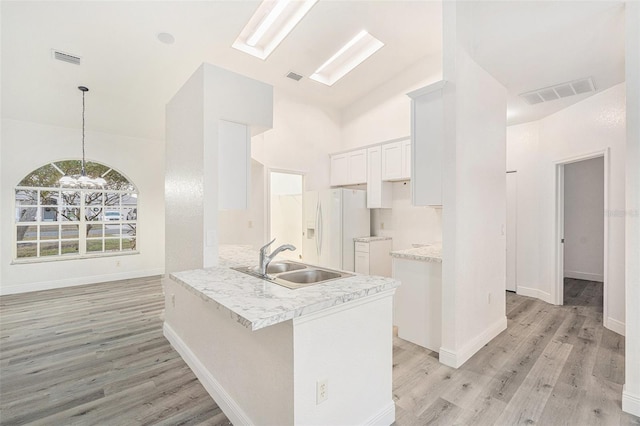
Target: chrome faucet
[[265, 258]]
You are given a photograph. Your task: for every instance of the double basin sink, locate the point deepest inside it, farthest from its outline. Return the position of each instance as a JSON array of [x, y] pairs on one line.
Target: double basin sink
[[293, 274]]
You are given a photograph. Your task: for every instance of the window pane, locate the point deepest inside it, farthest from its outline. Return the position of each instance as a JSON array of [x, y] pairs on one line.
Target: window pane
[[49, 198], [69, 231], [70, 214], [71, 198], [49, 232], [112, 199], [27, 250], [49, 214], [112, 244], [27, 233], [70, 247], [94, 230], [26, 214], [94, 245], [129, 229], [111, 230], [93, 198], [130, 213], [49, 249], [129, 200], [26, 197], [93, 213], [111, 215], [129, 244]]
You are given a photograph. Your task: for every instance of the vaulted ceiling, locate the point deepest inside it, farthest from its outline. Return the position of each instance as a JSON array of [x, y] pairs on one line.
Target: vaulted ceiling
[[131, 75]]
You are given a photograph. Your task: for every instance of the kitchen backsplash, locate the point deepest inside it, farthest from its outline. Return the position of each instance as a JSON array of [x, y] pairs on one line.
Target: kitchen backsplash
[[405, 223]]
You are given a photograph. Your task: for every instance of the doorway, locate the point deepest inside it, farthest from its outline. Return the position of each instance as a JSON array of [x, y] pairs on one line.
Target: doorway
[[512, 231], [581, 267], [285, 210]]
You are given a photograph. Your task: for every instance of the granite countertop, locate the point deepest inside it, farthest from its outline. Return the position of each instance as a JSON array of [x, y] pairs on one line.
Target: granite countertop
[[369, 239], [427, 253], [257, 303]]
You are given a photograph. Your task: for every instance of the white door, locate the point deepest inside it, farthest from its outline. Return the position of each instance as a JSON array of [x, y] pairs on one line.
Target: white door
[[512, 226]]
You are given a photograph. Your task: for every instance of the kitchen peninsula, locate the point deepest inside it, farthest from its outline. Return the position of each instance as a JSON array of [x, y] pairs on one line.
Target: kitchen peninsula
[[271, 355]]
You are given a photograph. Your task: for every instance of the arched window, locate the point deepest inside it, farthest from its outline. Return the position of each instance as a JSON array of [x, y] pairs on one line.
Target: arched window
[[54, 221]]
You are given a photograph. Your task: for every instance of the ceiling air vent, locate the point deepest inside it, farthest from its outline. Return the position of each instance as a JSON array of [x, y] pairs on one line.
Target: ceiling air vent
[[293, 76], [66, 57], [558, 91]]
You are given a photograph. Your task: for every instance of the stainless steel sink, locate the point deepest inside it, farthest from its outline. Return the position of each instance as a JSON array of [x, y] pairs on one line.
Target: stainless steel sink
[[279, 267], [294, 275], [309, 276]]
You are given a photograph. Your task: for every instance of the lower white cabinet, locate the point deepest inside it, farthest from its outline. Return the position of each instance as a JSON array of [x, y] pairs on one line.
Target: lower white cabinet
[[372, 256]]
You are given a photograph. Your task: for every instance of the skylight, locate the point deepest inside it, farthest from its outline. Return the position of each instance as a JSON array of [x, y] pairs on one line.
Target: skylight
[[270, 24], [352, 54]]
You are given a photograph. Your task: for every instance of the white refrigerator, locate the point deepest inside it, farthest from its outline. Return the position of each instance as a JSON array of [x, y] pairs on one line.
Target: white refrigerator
[[332, 219]]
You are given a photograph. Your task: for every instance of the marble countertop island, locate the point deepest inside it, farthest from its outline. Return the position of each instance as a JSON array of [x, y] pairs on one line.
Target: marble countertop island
[[256, 303], [426, 253], [370, 239]]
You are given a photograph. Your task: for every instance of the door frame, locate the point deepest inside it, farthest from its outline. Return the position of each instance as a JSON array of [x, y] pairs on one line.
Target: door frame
[[559, 226], [267, 214]]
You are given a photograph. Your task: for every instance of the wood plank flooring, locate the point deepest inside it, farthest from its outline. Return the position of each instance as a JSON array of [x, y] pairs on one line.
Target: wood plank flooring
[[96, 355]]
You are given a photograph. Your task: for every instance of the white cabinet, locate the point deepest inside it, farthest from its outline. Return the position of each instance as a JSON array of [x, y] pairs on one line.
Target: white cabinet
[[234, 165], [396, 160], [379, 193], [372, 257], [427, 143], [349, 168]]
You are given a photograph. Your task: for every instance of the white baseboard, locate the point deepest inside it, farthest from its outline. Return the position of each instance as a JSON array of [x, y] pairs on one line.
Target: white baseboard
[[630, 403], [384, 417], [226, 403], [584, 276], [455, 359], [534, 292], [614, 325], [72, 282]]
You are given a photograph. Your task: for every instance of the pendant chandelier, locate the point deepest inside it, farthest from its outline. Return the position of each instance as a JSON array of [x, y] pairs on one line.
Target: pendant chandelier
[[82, 180]]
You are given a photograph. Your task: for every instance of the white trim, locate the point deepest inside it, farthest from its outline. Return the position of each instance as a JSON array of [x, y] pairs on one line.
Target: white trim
[[534, 292], [438, 85], [457, 359], [384, 417], [630, 403], [614, 325], [343, 307], [71, 282], [226, 403], [588, 276]]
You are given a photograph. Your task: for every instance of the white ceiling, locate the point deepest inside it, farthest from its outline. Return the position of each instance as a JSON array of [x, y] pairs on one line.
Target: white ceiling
[[131, 75]]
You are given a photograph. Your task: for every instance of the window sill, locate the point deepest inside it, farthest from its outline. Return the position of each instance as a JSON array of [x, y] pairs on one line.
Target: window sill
[[28, 261]]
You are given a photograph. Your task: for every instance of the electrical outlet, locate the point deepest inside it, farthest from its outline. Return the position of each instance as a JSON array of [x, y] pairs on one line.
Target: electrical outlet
[[322, 390], [381, 225], [173, 300], [489, 298], [250, 224], [117, 263]]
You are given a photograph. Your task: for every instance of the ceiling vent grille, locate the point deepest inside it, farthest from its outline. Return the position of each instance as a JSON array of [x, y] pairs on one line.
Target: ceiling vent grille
[[293, 76], [66, 57], [559, 91]]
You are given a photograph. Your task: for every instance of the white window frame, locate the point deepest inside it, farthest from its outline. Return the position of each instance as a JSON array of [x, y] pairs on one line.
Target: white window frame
[[82, 224]]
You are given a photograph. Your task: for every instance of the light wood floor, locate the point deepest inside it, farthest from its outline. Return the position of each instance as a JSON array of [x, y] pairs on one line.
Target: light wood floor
[[96, 355]]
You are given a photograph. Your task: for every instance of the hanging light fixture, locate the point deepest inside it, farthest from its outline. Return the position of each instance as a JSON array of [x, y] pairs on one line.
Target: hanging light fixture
[[82, 180]]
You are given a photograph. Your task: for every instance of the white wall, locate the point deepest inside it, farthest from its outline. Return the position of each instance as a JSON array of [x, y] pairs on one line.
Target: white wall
[[246, 227], [191, 184], [584, 219], [631, 393], [27, 146], [590, 126], [301, 138], [404, 223]]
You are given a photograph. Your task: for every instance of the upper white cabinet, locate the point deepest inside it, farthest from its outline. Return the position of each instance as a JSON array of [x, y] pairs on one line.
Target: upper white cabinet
[[396, 160], [349, 168], [379, 193], [427, 143]]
